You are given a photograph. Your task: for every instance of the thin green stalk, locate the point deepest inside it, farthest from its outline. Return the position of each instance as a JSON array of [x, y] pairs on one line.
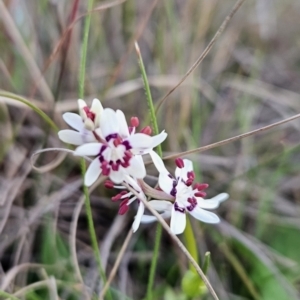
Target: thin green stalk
[[91, 226], [83, 166], [190, 243], [8, 296], [158, 234], [32, 106]]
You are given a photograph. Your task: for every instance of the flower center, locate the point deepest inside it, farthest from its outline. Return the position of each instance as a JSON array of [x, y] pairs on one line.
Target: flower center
[[114, 154]]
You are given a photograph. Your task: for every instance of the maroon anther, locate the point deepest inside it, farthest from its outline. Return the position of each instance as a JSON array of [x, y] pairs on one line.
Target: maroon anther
[[115, 166], [201, 186], [193, 202], [105, 168], [123, 207], [200, 194], [118, 196], [125, 164], [179, 162], [134, 121], [117, 141], [147, 130], [127, 155], [189, 181], [89, 113], [109, 184], [191, 175]]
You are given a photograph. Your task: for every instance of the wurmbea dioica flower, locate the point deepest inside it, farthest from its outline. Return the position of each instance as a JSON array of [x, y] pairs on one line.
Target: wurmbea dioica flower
[[118, 149], [186, 196], [84, 124]]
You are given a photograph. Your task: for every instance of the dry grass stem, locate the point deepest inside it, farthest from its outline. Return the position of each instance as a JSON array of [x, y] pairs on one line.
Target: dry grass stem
[[204, 53]]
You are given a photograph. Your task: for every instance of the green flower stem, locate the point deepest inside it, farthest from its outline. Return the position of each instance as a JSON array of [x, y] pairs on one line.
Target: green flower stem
[[158, 235], [8, 296], [32, 106], [83, 166], [91, 226], [191, 244], [206, 262]]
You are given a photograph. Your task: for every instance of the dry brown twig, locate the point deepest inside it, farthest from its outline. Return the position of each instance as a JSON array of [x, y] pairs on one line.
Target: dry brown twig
[[204, 53], [232, 139], [116, 265]]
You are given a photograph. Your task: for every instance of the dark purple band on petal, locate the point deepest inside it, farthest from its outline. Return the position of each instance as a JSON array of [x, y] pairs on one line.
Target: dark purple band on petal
[[174, 190], [193, 203], [111, 136], [127, 145], [178, 208]]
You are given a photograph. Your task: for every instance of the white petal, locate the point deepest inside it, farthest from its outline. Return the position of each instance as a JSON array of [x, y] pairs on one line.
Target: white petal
[[93, 172], [149, 219], [109, 122], [137, 219], [165, 182], [161, 205], [158, 162], [188, 165], [81, 104], [207, 203], [136, 167], [178, 221], [73, 120], [220, 198], [204, 216], [117, 176], [123, 127], [71, 137], [139, 141], [213, 202], [145, 219], [158, 139], [88, 149], [97, 109], [182, 173]]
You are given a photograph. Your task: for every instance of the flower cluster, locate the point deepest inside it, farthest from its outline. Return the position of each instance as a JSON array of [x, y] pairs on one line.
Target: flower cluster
[[118, 149]]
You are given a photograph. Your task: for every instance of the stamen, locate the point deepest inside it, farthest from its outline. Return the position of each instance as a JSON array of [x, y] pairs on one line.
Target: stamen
[[89, 113], [201, 186], [118, 196], [200, 194], [134, 121], [105, 168], [117, 141], [179, 162], [109, 184], [147, 130], [189, 182], [191, 175], [123, 207], [130, 129]]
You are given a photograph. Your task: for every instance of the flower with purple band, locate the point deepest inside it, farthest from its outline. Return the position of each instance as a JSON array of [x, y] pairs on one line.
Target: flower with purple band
[[118, 149], [84, 124], [187, 196]]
